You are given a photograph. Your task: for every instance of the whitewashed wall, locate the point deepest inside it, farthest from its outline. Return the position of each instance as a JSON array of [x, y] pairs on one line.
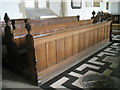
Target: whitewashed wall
[[114, 6], [119, 7], [12, 8], [55, 6], [85, 12]]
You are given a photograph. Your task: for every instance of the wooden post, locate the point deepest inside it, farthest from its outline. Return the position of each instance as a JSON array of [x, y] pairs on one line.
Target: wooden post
[[93, 17], [110, 37], [6, 19], [11, 47], [31, 56], [78, 17], [13, 24]]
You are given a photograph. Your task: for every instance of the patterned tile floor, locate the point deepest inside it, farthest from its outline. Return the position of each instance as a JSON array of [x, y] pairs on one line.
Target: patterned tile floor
[[106, 61]]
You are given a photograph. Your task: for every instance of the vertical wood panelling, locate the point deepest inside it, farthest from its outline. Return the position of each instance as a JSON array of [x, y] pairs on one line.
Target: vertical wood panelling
[[41, 57], [102, 32], [60, 50], [55, 48], [98, 34], [105, 32], [81, 45], [95, 36], [68, 46], [51, 53], [17, 42], [86, 39], [91, 37], [75, 44], [108, 31]]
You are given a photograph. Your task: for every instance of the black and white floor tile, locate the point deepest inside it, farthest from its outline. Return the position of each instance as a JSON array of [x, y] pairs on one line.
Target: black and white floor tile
[[106, 61]]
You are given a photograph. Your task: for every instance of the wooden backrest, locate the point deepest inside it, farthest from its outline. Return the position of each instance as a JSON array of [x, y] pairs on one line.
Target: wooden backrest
[[20, 23], [55, 48], [50, 21], [19, 35], [102, 16], [54, 27]]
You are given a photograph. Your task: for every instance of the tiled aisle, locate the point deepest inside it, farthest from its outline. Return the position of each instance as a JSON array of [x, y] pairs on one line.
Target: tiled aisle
[[106, 61]]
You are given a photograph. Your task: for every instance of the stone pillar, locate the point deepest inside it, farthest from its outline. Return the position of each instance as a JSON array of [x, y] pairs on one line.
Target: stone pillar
[[47, 3], [36, 3], [22, 8], [63, 8]]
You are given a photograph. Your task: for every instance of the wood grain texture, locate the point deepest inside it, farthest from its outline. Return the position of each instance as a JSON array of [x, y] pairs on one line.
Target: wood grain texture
[[95, 36], [81, 44], [60, 46], [41, 57], [60, 50], [68, 46], [75, 43], [51, 53], [87, 39], [91, 37]]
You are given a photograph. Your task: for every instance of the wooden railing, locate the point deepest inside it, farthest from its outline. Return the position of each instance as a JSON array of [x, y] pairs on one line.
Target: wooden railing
[[51, 50]]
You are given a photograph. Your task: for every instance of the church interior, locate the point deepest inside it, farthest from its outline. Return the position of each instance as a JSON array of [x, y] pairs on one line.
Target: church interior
[[60, 44]]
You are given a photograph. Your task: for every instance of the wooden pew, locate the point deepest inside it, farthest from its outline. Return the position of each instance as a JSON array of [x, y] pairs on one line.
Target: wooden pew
[[50, 28], [116, 19], [101, 16], [48, 53], [20, 23], [115, 28], [16, 24], [17, 56], [19, 35]]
